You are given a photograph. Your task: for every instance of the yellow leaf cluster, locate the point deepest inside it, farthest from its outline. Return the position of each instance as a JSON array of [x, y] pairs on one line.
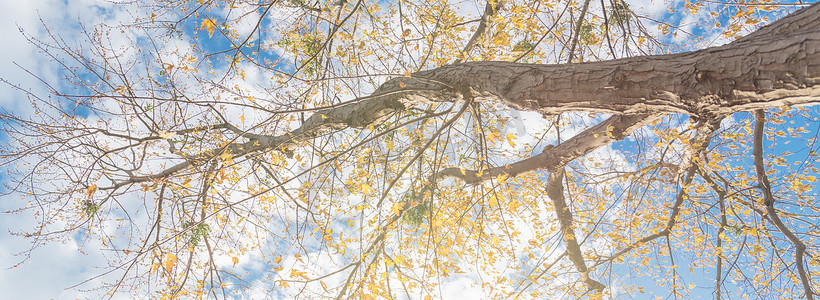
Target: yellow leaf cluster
[[209, 25]]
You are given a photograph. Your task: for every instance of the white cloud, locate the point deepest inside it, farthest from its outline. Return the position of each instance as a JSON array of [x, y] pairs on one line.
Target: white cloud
[[653, 8], [61, 265], [57, 265]]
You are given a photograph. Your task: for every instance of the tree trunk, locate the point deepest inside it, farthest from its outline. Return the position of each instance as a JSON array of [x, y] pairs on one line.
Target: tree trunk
[[775, 66]]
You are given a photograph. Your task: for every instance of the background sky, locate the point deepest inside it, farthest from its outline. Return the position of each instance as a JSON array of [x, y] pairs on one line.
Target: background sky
[[56, 266]]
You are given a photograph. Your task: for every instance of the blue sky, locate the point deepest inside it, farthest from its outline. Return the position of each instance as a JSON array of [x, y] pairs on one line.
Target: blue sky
[[56, 266]]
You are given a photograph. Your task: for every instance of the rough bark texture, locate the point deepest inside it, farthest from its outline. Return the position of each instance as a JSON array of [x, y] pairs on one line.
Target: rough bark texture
[[777, 65], [745, 75]]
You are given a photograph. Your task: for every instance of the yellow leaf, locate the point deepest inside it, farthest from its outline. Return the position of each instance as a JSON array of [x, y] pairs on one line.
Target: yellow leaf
[[396, 209], [492, 136], [493, 201], [120, 90], [209, 25], [502, 177], [515, 204], [167, 67], [90, 190], [225, 156], [510, 138], [365, 188], [170, 261], [294, 273], [242, 119], [609, 130], [277, 260], [235, 260]]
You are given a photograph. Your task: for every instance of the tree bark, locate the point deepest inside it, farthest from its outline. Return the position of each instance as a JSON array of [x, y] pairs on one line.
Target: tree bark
[[775, 66], [741, 76]]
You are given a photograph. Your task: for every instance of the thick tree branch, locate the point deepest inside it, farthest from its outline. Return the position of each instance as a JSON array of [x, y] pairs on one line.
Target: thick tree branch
[[357, 115], [613, 129], [555, 191], [768, 199], [804, 19], [577, 33], [778, 68], [490, 10], [721, 194]]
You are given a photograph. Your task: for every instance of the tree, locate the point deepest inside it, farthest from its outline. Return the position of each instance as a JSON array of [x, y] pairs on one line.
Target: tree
[[378, 150]]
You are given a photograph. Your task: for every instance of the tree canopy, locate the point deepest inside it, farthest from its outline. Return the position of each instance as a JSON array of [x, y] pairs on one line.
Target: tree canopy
[[417, 149]]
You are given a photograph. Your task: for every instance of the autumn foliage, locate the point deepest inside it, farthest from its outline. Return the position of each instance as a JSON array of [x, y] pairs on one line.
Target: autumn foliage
[[370, 149]]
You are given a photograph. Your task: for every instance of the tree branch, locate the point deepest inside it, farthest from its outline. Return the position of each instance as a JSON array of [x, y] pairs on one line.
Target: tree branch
[[551, 157], [490, 10], [774, 69], [697, 145], [768, 200], [721, 193], [555, 191], [577, 32], [741, 76]]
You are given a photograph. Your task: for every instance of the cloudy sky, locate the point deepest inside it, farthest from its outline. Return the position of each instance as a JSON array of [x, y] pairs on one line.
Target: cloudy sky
[[56, 266]]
